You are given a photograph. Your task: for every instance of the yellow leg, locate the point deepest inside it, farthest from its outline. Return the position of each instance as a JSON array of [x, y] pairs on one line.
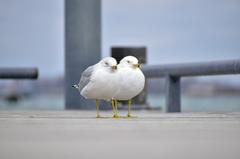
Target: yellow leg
[[129, 107], [97, 108], [116, 107], [113, 107]]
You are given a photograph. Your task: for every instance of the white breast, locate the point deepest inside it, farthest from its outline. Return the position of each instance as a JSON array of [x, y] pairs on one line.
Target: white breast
[[101, 86], [131, 83]]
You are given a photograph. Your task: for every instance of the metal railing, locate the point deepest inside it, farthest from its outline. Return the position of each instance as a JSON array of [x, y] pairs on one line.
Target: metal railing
[[18, 73], [174, 72]]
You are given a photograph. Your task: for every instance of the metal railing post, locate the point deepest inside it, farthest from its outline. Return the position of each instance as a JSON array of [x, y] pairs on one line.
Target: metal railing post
[[82, 46], [173, 94], [173, 73]]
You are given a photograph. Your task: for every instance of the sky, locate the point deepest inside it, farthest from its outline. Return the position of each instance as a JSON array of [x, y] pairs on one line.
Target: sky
[[32, 31], [174, 31], [31, 34]]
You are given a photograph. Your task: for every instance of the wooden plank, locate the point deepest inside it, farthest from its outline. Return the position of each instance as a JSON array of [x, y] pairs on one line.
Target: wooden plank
[[78, 134]]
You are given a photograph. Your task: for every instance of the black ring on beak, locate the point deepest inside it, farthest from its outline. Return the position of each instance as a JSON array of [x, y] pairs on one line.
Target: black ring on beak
[[137, 65], [114, 67]]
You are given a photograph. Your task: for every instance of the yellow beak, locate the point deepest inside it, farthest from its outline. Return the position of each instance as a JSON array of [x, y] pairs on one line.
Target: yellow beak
[[137, 65], [114, 67]]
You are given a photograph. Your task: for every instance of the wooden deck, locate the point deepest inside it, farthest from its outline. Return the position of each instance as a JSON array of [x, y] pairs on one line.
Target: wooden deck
[[78, 135]]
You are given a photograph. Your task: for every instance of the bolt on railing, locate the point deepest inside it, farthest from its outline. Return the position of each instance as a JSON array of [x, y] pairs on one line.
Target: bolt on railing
[[174, 72]]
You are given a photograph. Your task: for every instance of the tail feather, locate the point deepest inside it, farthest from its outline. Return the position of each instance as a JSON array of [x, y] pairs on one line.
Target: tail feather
[[75, 86]]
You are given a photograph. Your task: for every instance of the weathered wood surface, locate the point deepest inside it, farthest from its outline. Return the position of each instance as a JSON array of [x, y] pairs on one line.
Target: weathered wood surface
[[77, 134]]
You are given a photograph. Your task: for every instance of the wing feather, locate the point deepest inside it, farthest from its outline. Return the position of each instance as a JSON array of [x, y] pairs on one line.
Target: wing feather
[[85, 77]]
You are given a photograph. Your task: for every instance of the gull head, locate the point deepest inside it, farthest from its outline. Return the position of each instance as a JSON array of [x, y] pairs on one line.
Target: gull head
[[130, 61], [109, 63]]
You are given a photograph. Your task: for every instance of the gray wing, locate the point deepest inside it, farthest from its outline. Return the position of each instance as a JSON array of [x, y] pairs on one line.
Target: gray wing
[[85, 77]]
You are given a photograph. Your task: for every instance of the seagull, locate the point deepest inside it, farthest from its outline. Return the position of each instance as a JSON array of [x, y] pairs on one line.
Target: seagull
[[132, 81], [99, 82]]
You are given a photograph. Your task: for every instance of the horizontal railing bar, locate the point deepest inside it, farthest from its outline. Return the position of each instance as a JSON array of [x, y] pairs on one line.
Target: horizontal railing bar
[[18, 73], [193, 69]]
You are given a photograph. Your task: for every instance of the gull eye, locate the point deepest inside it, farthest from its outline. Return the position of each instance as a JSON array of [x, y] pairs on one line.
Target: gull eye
[[106, 63], [128, 61]]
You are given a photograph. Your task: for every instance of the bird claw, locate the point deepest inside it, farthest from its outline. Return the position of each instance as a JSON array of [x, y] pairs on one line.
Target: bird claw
[[116, 116], [130, 116]]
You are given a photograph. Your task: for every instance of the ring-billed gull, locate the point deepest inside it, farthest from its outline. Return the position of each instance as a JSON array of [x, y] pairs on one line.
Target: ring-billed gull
[[98, 82], [132, 80]]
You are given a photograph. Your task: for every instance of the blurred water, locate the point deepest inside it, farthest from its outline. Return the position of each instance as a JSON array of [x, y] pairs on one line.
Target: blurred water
[[189, 104], [200, 103], [38, 102]]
